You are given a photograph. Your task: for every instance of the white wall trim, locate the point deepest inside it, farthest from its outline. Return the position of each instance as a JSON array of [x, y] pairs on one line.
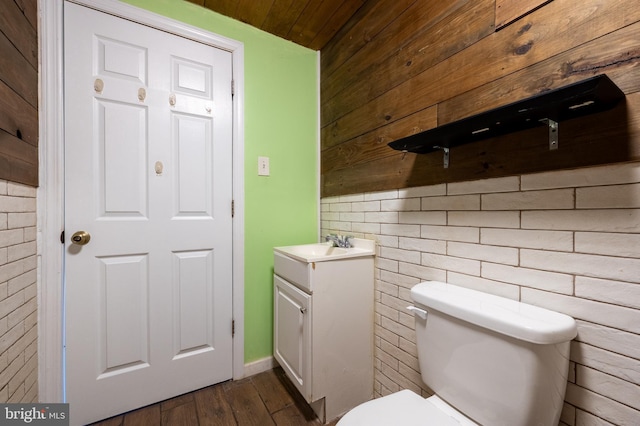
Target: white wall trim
[[319, 148], [259, 366], [51, 190]]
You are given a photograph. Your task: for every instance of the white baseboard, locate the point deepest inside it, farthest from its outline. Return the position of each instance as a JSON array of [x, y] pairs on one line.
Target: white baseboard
[[259, 366]]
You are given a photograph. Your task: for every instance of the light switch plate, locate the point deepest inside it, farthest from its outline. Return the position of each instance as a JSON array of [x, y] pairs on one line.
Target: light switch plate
[[263, 166]]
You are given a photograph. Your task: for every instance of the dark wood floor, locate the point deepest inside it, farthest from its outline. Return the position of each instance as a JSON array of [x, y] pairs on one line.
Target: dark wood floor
[[265, 399]]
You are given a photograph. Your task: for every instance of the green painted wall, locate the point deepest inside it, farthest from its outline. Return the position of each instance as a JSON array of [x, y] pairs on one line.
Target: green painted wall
[[281, 110]]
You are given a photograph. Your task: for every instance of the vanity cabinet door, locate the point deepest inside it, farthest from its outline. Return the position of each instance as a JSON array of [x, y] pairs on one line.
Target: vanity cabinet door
[[292, 333]]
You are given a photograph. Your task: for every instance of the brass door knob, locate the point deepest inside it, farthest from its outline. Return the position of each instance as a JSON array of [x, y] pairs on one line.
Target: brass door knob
[[80, 238]]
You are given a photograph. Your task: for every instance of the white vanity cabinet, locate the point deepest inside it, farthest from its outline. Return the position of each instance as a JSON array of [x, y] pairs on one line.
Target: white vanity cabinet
[[323, 325]]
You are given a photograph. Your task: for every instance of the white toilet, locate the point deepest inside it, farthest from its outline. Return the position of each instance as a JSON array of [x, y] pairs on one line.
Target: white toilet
[[490, 361]]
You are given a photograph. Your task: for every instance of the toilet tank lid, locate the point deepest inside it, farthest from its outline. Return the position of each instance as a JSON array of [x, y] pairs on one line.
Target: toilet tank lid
[[512, 318]]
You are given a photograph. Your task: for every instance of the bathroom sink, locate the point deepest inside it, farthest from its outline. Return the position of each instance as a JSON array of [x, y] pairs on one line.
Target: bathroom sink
[[319, 252]]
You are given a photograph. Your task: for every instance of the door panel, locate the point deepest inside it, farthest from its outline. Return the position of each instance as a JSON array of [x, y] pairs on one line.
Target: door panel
[[148, 174], [124, 319]]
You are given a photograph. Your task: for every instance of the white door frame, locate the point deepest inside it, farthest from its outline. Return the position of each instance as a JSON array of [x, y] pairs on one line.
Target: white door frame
[[51, 386]]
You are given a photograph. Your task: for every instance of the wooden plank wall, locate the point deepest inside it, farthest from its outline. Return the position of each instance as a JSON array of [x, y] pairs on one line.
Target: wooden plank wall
[[402, 66], [19, 91]]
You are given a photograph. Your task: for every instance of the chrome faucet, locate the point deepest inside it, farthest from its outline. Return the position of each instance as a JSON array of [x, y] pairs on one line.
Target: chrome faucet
[[339, 240]]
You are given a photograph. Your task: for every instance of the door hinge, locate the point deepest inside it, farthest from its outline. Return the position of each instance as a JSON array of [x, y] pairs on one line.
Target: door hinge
[[233, 328], [233, 208], [62, 237], [233, 88]]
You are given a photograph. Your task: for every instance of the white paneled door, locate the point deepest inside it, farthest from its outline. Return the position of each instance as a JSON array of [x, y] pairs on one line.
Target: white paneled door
[[148, 150]]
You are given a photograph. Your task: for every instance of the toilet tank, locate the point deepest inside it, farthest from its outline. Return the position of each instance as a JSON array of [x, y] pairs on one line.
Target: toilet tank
[[496, 360]]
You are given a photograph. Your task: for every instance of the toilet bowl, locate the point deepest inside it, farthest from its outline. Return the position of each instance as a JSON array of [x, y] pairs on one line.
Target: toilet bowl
[[405, 408], [489, 361]]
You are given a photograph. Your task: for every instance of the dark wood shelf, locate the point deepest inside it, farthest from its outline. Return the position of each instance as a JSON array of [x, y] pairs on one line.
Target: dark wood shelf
[[586, 97]]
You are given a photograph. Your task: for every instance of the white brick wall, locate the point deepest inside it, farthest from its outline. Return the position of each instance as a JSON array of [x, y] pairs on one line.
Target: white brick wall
[[18, 303], [565, 240]]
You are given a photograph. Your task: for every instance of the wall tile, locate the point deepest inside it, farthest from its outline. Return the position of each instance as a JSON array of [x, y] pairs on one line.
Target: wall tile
[[352, 217], [615, 268], [381, 217], [400, 255], [489, 219], [622, 367], [613, 339], [624, 220], [487, 286], [401, 230], [451, 202], [530, 200], [423, 191], [11, 237], [19, 190], [400, 205], [17, 204], [609, 386], [386, 264], [22, 281], [548, 240], [424, 218], [423, 245], [387, 241], [450, 263], [618, 293], [451, 233], [608, 409], [367, 228], [21, 220], [506, 184], [331, 216], [587, 419], [568, 415], [600, 313], [608, 197], [351, 198], [383, 195], [367, 206], [623, 245], [340, 207], [591, 176], [340, 226], [526, 277], [505, 255], [423, 273], [398, 279], [20, 251]]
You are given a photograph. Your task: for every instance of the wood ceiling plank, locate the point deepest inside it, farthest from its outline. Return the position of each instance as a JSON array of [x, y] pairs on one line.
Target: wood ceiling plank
[[509, 11], [335, 22], [254, 12], [282, 16], [224, 7], [312, 19]]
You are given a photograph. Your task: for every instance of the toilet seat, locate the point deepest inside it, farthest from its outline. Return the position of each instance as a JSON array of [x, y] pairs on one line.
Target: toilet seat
[[404, 408]]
